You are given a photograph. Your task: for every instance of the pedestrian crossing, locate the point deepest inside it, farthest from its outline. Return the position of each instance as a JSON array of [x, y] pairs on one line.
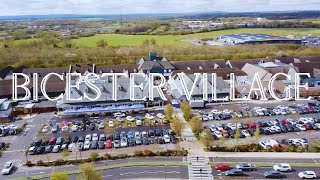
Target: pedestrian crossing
[[199, 168]]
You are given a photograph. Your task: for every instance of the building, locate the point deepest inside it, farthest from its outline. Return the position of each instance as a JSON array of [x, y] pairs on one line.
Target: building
[[238, 39]]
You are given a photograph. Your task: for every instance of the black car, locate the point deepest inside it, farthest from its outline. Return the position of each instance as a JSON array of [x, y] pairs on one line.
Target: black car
[[116, 136], [231, 133], [94, 145], [151, 133], [48, 149], [313, 126], [76, 122], [41, 150], [152, 140], [2, 145], [283, 128], [288, 127], [123, 134], [145, 141], [157, 132], [173, 139], [234, 172], [83, 127], [131, 142], [164, 132], [92, 126], [75, 139], [160, 141], [67, 141], [101, 145], [245, 167], [273, 174], [37, 143], [81, 139]]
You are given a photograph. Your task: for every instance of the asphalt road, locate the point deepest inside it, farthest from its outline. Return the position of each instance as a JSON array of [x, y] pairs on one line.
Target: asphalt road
[[22, 171], [258, 174]]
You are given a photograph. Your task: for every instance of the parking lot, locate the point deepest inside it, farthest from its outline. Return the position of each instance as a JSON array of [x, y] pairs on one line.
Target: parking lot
[[96, 133]]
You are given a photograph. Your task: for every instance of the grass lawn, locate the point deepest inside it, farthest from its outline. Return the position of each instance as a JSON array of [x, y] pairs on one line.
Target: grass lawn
[[117, 40]]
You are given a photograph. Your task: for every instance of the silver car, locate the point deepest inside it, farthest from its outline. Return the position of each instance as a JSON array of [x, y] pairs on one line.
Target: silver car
[[7, 168]]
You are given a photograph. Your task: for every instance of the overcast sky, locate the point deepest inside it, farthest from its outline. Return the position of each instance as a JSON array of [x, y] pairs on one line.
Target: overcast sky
[[44, 7]]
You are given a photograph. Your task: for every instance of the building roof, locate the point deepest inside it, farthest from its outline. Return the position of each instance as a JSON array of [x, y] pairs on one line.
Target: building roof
[[308, 67], [44, 71], [241, 62], [294, 59], [131, 68], [221, 72], [199, 64], [5, 71]]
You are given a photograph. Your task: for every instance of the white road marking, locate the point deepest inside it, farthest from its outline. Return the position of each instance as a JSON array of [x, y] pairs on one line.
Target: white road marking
[[315, 161]]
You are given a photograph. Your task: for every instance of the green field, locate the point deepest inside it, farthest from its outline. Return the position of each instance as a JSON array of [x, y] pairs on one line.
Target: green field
[[117, 40]]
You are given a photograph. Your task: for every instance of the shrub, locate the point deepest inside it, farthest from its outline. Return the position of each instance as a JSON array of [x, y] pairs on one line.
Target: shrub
[[59, 162], [94, 156], [29, 163], [122, 156], [138, 153], [147, 152], [277, 149], [107, 156], [301, 149], [40, 163]]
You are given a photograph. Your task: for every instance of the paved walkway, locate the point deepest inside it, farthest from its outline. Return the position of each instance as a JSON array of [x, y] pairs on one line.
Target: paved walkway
[[199, 168]]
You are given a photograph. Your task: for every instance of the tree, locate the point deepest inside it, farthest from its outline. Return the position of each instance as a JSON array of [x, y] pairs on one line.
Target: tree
[[257, 134], [102, 43], [65, 153], [206, 138], [89, 173], [177, 126], [196, 125], [186, 110], [59, 176], [66, 134], [222, 140], [94, 156], [168, 111], [237, 135]]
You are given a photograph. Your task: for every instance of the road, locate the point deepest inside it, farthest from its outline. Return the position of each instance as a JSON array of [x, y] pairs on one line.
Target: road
[[23, 171]]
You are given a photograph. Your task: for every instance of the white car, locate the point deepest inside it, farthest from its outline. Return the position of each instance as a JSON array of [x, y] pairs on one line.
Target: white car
[[283, 112], [144, 134], [160, 115], [45, 129], [212, 128], [219, 127], [217, 134], [276, 111], [226, 111], [139, 123], [88, 137], [166, 138], [71, 147], [245, 133], [130, 118], [87, 145], [119, 119], [307, 175], [74, 128], [95, 137], [210, 117], [118, 114], [101, 125], [232, 126], [292, 111], [282, 167], [301, 127], [214, 111], [7, 168], [265, 145], [259, 112], [149, 116], [65, 128], [205, 118], [124, 142], [111, 124], [317, 124]]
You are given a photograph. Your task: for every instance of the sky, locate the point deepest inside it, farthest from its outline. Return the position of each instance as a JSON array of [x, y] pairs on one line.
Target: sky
[[44, 7]]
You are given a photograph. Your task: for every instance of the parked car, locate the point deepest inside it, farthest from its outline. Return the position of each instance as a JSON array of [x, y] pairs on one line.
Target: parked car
[[111, 124], [101, 125], [116, 143], [87, 145], [124, 142], [45, 129], [56, 148], [7, 168], [166, 138]]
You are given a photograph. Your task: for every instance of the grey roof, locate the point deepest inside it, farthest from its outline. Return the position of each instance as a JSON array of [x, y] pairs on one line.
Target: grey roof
[[5, 71]]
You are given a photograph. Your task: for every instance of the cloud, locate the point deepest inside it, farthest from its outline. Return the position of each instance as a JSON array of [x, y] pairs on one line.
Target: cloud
[[36, 7]]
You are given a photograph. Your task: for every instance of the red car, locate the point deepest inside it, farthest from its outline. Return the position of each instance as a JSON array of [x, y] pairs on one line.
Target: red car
[[307, 127], [309, 109], [224, 133], [222, 167], [285, 122], [52, 141], [108, 144]]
